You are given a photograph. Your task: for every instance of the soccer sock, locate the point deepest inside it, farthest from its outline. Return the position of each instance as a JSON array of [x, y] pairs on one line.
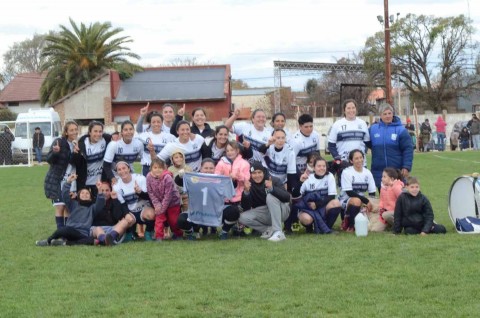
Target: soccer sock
[[65, 219], [332, 216], [227, 227], [101, 238], [59, 221], [114, 235], [149, 225], [352, 211]]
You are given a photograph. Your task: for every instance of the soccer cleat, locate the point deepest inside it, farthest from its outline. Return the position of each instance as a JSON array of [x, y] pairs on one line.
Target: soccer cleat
[[109, 240], [295, 227], [267, 234], [149, 236], [223, 235], [277, 237], [191, 236], [128, 237], [42, 243], [58, 243]]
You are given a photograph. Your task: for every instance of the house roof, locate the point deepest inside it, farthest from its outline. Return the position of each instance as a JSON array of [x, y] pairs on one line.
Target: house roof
[[175, 83], [23, 87], [253, 91]]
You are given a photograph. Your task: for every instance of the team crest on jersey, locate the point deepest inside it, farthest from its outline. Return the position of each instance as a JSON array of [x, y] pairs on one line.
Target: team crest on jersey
[[135, 149], [194, 179], [265, 139], [366, 179], [377, 135]]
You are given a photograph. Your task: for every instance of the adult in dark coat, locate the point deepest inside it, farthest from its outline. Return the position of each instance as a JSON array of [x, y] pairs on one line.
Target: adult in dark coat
[[38, 140], [199, 125], [6, 139], [59, 157]]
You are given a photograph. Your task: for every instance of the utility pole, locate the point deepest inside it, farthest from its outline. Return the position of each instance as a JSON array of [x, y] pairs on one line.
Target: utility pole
[[388, 71]]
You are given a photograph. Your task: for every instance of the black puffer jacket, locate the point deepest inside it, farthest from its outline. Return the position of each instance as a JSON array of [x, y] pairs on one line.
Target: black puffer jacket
[[413, 212], [58, 166], [258, 196]]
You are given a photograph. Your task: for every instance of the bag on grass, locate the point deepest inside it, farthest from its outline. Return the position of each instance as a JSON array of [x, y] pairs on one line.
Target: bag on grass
[[468, 225]]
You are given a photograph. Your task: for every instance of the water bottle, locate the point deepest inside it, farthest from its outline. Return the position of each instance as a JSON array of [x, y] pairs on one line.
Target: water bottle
[[361, 224]]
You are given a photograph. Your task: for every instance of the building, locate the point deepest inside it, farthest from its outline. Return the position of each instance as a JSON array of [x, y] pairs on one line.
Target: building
[[22, 92]]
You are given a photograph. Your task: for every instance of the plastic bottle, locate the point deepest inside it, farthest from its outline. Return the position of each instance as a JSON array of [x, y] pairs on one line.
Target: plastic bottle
[[361, 224]]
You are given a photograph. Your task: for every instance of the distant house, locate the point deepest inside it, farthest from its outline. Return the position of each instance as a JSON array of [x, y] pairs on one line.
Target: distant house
[[110, 99], [22, 93]]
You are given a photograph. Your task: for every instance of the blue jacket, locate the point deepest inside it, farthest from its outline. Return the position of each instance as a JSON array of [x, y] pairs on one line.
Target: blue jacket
[[391, 147]]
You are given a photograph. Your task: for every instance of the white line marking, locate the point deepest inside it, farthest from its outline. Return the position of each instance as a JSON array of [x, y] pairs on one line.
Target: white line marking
[[441, 157]]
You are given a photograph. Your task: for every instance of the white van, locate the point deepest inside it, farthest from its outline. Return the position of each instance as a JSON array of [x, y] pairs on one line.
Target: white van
[[49, 122]]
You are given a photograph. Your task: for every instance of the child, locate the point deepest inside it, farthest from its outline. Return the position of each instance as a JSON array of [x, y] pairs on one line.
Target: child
[[391, 189], [178, 168], [165, 198], [413, 212], [77, 229], [319, 206]]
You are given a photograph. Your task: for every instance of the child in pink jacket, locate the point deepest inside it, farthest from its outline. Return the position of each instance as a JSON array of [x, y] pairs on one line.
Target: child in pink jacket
[[391, 189], [165, 199], [234, 166]]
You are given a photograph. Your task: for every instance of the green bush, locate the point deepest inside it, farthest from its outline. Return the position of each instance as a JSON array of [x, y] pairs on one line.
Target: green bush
[[7, 115]]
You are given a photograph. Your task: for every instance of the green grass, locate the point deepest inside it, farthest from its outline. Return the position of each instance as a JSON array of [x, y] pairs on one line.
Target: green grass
[[305, 276]]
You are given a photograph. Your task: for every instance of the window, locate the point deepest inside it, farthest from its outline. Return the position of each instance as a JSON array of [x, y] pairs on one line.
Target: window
[[11, 104], [21, 129]]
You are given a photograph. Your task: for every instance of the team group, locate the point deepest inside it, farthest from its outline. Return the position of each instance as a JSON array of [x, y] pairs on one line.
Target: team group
[[196, 179]]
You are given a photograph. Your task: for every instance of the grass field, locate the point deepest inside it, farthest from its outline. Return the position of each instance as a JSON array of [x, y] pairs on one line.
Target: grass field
[[305, 276]]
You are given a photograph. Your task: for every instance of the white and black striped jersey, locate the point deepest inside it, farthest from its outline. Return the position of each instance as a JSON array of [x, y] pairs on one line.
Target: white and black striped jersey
[[255, 137], [190, 149], [325, 186], [280, 163], [303, 146], [360, 182], [126, 193], [159, 142], [94, 154], [349, 135], [120, 151]]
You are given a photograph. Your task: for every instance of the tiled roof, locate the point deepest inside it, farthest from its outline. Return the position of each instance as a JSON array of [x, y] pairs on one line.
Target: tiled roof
[[175, 83], [23, 87]]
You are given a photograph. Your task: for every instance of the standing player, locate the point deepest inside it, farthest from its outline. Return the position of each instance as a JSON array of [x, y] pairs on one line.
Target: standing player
[[305, 141], [126, 149]]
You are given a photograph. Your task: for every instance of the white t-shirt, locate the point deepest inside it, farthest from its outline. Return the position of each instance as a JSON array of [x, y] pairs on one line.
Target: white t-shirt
[[70, 170], [159, 142], [326, 186], [120, 151], [349, 135], [280, 163], [303, 146], [191, 151], [94, 156], [126, 193], [256, 137], [360, 182]]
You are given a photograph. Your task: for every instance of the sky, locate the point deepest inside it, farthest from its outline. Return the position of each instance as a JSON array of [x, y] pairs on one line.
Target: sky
[[247, 34]]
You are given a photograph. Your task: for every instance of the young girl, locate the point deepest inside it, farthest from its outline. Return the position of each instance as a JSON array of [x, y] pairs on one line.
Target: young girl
[[318, 205], [392, 187], [165, 198], [413, 212], [178, 168], [280, 159], [356, 180]]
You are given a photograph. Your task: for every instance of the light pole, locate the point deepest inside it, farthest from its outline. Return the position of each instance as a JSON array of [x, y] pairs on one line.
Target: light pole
[[388, 71]]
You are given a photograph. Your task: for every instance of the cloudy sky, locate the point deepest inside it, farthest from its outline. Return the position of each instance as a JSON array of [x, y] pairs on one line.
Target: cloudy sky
[[248, 34]]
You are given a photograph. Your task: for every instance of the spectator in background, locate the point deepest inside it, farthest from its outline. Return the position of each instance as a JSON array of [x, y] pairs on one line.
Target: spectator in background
[[464, 139], [116, 136], [425, 133], [440, 125], [475, 132], [38, 140], [411, 131], [6, 139]]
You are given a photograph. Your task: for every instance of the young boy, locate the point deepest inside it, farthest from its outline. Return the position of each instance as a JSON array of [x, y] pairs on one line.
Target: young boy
[[413, 212], [165, 198], [83, 211], [178, 168]]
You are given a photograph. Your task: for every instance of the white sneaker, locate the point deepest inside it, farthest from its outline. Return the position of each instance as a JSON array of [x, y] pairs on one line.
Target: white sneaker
[[267, 234], [277, 237]]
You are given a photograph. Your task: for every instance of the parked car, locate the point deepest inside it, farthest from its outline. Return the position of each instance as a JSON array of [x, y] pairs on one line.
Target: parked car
[[455, 133]]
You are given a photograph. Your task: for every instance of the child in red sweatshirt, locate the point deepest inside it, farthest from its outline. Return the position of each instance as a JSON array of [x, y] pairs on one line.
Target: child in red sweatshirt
[[165, 199]]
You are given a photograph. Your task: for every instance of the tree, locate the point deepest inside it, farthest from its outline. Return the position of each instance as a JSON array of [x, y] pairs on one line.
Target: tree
[[427, 53], [188, 61], [74, 57], [311, 87], [24, 57], [7, 115], [239, 84]]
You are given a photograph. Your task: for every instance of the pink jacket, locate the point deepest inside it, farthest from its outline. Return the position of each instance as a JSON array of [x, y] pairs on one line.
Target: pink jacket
[[389, 195], [162, 191], [240, 169], [440, 124]]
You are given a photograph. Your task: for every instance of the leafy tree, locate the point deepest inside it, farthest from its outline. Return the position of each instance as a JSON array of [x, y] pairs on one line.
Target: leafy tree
[[428, 54], [239, 84], [311, 87], [188, 61], [74, 57], [24, 57]]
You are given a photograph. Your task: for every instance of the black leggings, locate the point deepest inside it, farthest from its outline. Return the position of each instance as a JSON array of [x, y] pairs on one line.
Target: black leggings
[[230, 214], [73, 236]]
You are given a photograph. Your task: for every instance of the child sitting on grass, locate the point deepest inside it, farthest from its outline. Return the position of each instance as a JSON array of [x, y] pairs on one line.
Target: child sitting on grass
[[178, 168], [165, 199], [77, 229], [391, 189], [413, 212]]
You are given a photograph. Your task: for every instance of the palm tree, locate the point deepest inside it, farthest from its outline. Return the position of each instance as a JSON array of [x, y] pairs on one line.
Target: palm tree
[[72, 58]]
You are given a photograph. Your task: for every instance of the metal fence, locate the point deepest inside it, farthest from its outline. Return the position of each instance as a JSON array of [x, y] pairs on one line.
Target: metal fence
[[16, 145]]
